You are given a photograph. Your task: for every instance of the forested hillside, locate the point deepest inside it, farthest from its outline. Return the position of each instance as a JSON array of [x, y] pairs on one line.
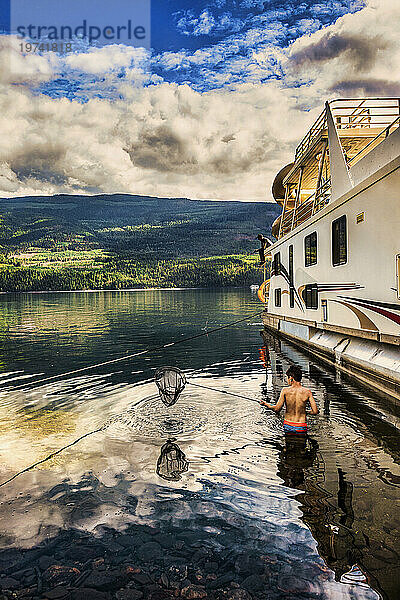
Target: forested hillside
[[118, 241]]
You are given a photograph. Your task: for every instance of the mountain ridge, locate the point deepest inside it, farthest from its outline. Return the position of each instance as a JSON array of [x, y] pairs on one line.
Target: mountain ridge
[[177, 227]]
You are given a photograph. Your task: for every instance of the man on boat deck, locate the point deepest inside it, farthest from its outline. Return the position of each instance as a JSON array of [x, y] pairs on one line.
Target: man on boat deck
[[295, 398], [265, 243]]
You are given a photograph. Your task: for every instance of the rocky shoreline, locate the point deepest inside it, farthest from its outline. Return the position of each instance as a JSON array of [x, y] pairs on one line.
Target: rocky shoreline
[[148, 563]]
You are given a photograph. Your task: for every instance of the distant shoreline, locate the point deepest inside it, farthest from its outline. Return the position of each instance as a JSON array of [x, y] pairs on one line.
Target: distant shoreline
[[154, 289]]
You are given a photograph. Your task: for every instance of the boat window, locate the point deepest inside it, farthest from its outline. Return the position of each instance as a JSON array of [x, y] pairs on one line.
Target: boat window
[[310, 249], [339, 241], [278, 297], [277, 263], [310, 295], [291, 277]]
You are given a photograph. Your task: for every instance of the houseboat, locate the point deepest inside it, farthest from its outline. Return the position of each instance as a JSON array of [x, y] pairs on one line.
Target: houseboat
[[334, 288]]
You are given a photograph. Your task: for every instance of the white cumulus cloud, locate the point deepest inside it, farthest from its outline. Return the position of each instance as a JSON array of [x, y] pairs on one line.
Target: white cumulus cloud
[[167, 139], [357, 55]]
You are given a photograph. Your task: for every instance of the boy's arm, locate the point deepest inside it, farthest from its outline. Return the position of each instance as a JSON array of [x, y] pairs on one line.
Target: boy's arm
[[314, 407], [276, 407]]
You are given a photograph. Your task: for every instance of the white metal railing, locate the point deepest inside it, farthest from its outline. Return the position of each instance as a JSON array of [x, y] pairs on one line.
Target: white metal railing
[[293, 217], [310, 137], [382, 134], [382, 115], [371, 113]]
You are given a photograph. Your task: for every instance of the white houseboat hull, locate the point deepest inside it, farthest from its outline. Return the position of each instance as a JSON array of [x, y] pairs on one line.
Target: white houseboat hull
[[344, 306]]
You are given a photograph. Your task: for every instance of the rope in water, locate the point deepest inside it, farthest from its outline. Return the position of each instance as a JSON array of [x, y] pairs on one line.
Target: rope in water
[[112, 420], [206, 387], [147, 351], [85, 435], [109, 422], [56, 452]]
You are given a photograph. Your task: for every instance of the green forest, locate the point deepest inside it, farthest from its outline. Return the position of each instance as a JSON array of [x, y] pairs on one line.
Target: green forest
[[120, 241], [123, 273]]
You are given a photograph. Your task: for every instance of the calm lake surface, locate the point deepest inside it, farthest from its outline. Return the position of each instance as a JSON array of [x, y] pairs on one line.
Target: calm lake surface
[[250, 515]]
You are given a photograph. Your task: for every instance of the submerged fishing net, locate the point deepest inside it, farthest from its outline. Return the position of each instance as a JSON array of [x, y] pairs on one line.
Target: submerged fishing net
[[171, 383], [171, 462]]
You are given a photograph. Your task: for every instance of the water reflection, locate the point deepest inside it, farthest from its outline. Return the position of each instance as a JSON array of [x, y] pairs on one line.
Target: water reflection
[[337, 543], [68, 330], [297, 455], [352, 543], [172, 462], [254, 516]]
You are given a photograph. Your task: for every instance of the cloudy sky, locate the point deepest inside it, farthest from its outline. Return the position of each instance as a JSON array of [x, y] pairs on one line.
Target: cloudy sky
[[212, 111]]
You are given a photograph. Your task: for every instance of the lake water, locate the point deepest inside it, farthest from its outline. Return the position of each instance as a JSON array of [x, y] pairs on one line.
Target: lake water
[[250, 515]]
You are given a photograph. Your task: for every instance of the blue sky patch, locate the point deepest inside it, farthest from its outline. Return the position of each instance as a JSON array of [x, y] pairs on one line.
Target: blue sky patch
[[216, 44]]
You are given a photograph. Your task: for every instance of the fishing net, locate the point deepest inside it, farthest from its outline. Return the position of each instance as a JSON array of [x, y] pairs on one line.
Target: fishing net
[[171, 383], [171, 462]]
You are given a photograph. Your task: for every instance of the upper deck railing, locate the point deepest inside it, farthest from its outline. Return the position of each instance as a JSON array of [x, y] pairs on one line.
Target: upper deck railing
[[373, 119], [370, 113], [384, 133], [308, 140]]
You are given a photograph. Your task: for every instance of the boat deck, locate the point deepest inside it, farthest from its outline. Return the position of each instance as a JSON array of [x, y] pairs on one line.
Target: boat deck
[[361, 126]]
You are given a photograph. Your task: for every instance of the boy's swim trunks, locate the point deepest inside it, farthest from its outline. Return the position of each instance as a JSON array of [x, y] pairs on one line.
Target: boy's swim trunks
[[296, 428]]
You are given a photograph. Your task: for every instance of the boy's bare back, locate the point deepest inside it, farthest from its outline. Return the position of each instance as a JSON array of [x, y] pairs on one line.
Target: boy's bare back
[[296, 399]]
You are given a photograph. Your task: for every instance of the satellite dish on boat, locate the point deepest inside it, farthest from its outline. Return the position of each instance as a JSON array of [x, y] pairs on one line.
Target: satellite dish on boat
[[276, 226], [278, 191]]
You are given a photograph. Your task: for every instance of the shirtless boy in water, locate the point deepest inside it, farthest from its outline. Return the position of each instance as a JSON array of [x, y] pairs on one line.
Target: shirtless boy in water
[[295, 399]]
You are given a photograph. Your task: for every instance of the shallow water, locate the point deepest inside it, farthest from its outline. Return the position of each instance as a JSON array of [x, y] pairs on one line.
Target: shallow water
[[252, 515]]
